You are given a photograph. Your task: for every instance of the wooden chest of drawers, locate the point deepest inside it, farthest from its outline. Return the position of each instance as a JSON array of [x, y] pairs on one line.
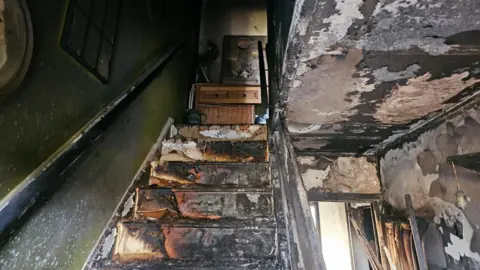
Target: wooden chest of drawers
[[227, 94]]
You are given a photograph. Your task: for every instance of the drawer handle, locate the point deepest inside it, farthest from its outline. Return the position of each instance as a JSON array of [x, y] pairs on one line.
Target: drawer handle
[[244, 95]]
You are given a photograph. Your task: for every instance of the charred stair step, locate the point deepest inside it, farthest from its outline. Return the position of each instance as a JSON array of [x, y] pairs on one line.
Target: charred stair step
[[147, 241], [199, 264], [182, 174], [213, 151], [203, 204], [221, 132]]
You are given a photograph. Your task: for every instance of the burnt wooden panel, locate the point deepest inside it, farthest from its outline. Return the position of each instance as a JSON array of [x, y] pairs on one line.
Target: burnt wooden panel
[[214, 151], [138, 241], [155, 204], [175, 174], [216, 205], [219, 243]]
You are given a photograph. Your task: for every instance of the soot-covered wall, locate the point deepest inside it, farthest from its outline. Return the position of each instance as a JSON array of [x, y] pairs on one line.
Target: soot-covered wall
[[421, 169]]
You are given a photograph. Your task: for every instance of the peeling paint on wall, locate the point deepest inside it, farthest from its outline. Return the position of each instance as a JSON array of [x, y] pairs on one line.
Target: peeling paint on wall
[[421, 96], [346, 12], [333, 83], [419, 168]]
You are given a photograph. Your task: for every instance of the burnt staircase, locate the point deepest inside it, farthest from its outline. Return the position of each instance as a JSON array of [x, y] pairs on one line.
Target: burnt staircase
[[203, 201]]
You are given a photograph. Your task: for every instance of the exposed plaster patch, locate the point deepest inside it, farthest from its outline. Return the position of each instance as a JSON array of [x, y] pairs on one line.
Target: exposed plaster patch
[[420, 96], [344, 174], [349, 174], [314, 178]]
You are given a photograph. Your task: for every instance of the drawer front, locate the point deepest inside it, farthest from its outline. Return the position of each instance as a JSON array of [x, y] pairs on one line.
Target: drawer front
[[207, 95], [218, 94]]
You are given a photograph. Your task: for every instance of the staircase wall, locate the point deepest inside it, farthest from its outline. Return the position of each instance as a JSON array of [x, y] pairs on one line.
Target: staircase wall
[[59, 96], [63, 229]]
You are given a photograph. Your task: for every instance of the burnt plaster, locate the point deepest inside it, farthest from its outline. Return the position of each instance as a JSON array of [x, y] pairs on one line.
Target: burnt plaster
[[420, 168], [387, 63], [340, 175]]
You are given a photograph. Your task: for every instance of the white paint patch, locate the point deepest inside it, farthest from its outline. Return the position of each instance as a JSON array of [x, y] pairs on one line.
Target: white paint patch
[[428, 179], [302, 130], [128, 205], [230, 134], [253, 197], [314, 178], [296, 83], [306, 160], [461, 247], [393, 7], [347, 11], [108, 244], [188, 149]]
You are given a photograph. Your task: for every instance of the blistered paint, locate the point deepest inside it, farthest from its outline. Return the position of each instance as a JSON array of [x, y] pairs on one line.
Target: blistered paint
[[421, 96]]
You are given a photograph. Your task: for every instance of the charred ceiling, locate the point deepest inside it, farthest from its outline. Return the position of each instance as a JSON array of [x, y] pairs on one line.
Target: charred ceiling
[[372, 70]]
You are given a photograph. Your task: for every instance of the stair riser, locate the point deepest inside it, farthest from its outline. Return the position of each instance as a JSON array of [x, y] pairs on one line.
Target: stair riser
[[224, 132], [161, 204], [151, 241], [176, 174], [214, 151]]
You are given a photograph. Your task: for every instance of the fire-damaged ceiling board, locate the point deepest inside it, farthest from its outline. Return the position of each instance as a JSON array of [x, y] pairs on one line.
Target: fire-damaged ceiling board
[[375, 69]]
